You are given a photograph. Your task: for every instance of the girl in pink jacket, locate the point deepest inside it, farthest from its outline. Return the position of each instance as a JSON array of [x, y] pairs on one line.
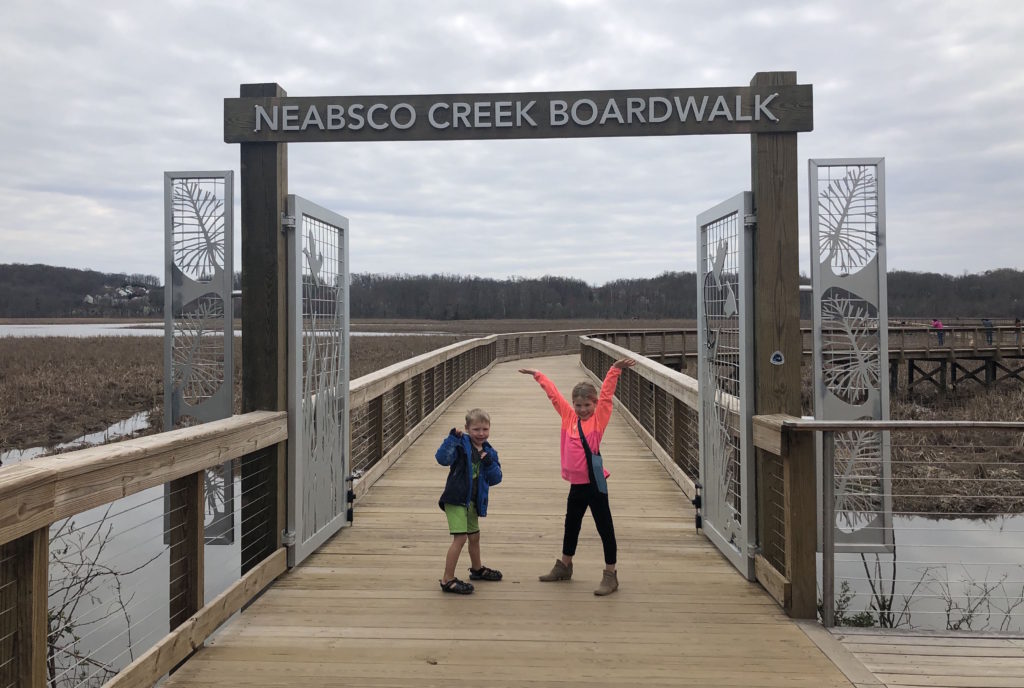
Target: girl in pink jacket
[[586, 416]]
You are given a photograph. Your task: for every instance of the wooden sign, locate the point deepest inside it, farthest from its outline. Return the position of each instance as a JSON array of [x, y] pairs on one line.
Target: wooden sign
[[536, 115]]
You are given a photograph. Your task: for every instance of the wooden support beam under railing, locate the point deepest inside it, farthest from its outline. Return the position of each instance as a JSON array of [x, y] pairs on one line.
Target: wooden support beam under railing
[[23, 604], [795, 587]]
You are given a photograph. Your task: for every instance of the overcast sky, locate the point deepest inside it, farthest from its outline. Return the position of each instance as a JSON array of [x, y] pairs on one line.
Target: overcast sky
[[103, 97]]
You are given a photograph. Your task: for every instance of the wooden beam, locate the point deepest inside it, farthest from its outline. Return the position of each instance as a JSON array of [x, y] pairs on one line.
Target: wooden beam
[[800, 506], [264, 180], [768, 433], [773, 581], [776, 323], [190, 635], [185, 532], [45, 490], [23, 604]]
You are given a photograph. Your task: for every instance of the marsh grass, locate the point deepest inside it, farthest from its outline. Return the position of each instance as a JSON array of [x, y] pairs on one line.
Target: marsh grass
[[53, 389]]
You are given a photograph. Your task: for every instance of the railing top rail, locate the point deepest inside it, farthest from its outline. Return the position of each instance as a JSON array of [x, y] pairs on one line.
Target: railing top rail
[[42, 491], [675, 383], [364, 388], [782, 422]]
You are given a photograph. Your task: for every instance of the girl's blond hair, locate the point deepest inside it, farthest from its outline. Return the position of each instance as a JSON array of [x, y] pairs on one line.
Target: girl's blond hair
[[584, 390], [476, 415]]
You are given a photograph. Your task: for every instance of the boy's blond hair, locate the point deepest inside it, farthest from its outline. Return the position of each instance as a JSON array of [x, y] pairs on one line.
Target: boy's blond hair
[[584, 390], [477, 415]]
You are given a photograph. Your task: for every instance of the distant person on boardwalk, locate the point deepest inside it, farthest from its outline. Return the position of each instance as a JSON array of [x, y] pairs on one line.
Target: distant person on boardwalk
[[583, 424], [473, 468], [987, 324], [937, 324]]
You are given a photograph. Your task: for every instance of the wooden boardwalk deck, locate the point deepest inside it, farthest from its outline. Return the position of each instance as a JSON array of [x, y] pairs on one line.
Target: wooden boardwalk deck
[[902, 659], [366, 609]]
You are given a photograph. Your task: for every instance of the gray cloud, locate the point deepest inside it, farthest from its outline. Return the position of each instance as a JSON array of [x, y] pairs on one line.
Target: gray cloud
[[104, 97]]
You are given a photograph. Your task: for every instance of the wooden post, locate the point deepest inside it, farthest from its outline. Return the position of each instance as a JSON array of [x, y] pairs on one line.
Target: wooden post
[[23, 603], [185, 531], [776, 327], [264, 179]]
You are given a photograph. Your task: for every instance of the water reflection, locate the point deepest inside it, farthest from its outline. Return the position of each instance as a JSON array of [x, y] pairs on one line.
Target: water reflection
[[120, 429], [962, 573]]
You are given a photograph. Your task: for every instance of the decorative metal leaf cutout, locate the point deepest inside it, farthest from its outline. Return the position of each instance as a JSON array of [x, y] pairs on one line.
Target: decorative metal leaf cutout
[[858, 478], [198, 226], [850, 357], [197, 354], [848, 213]]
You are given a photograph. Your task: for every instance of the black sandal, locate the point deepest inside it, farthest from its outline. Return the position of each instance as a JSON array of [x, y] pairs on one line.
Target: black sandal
[[456, 586], [484, 573]]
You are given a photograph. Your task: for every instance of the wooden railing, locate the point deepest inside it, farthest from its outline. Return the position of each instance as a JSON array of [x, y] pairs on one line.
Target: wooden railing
[[680, 345], [662, 406], [393, 406], [36, 494], [389, 409]]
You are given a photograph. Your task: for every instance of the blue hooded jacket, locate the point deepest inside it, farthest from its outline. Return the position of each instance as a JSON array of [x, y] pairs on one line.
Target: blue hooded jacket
[[457, 452]]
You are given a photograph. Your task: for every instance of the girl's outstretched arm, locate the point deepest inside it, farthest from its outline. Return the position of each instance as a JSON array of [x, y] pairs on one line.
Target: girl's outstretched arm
[[557, 400]]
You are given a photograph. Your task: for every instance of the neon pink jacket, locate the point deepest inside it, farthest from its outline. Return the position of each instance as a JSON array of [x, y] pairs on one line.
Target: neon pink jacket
[[574, 459]]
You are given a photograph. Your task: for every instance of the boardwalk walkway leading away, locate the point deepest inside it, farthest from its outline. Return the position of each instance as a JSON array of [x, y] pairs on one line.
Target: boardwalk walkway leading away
[[366, 610]]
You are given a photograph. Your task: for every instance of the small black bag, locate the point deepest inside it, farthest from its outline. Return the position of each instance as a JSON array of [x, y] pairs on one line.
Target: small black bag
[[595, 460]]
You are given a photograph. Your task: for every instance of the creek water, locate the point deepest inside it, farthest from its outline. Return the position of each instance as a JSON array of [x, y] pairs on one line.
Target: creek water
[[963, 573]]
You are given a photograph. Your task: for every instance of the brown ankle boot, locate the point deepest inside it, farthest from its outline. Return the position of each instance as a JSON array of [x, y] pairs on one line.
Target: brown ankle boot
[[558, 572], [609, 583]]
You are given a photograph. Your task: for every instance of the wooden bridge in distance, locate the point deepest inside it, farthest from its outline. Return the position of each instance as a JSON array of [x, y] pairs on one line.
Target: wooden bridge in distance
[[365, 610]]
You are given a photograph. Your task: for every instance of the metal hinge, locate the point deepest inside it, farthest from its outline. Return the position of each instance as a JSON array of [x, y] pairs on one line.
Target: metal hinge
[[288, 537], [750, 220], [287, 222]]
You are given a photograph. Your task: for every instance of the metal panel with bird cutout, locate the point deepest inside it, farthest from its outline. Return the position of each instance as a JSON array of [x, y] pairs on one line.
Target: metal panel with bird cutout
[[724, 365], [318, 358]]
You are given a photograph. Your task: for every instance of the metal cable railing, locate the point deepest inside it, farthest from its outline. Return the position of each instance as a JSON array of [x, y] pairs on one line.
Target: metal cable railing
[[946, 519], [106, 602], [662, 403]]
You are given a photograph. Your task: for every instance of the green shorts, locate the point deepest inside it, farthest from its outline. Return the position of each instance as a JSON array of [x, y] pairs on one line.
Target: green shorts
[[462, 520]]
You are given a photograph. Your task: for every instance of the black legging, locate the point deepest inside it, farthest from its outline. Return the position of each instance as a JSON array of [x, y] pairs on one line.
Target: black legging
[[581, 497]]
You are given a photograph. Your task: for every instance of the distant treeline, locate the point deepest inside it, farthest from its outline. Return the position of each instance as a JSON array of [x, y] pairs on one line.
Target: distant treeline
[[45, 291]]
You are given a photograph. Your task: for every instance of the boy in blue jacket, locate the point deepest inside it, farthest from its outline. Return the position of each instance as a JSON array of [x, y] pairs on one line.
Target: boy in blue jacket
[[473, 469]]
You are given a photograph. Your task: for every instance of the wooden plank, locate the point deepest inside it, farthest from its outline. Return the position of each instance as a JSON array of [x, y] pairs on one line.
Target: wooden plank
[[773, 581], [366, 607], [51, 488], [264, 188], [187, 546], [768, 432], [190, 635]]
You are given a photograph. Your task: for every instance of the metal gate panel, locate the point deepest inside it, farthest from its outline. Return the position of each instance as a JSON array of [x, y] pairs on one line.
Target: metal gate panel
[[724, 374], [851, 351], [318, 376], [198, 323]]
